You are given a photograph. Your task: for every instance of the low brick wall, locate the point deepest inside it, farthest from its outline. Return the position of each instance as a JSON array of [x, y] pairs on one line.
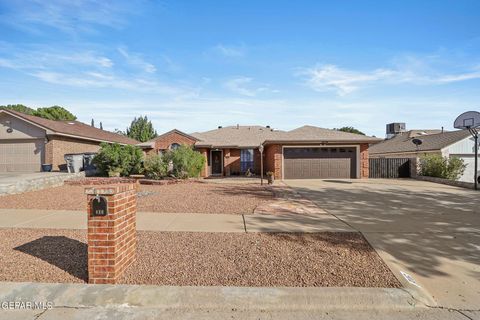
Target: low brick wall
[[104, 180], [461, 184], [97, 181], [112, 239]]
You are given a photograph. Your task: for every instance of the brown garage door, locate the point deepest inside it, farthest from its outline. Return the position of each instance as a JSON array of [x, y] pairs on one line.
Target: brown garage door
[[21, 156], [319, 163]]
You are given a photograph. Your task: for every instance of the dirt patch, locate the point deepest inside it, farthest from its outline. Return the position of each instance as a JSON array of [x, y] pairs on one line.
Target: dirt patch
[[206, 259], [172, 198]]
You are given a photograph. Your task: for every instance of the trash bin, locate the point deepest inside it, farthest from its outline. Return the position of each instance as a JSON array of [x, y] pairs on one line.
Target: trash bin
[[88, 166], [74, 162]]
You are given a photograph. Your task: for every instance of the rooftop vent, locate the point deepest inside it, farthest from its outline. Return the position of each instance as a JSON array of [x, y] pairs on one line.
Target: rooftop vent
[[71, 122], [268, 127], [220, 127]]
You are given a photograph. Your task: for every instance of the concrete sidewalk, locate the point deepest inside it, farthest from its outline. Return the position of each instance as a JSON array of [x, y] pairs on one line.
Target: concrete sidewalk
[[183, 222]]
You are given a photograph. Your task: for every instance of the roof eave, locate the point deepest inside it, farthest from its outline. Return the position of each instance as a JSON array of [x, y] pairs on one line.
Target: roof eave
[[320, 141]]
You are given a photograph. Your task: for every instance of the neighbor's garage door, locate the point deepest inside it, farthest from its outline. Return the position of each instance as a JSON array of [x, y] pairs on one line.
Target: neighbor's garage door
[[319, 163], [21, 156]]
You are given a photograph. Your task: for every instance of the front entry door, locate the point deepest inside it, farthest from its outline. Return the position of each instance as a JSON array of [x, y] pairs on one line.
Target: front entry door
[[217, 162]]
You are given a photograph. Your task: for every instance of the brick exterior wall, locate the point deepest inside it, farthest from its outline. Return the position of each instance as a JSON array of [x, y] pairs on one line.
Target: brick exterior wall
[[364, 173], [273, 160], [204, 172], [164, 142], [58, 146], [112, 240], [231, 161]]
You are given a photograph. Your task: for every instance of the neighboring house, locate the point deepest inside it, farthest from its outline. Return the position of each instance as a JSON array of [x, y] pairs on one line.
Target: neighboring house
[[448, 144], [305, 153], [27, 141], [167, 141]]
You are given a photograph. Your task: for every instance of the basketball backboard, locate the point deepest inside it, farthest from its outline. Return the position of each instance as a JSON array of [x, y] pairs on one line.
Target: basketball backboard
[[467, 120]]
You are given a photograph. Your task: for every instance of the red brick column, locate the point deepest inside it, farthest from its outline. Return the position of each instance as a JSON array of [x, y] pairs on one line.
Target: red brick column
[[112, 239], [364, 158]]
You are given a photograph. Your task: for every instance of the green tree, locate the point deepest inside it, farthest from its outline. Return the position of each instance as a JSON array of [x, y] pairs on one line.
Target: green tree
[[187, 163], [54, 113], [118, 160], [141, 129], [19, 108], [350, 130], [442, 167]]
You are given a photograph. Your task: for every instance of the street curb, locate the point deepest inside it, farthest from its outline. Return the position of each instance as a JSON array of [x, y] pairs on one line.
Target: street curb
[[211, 298]]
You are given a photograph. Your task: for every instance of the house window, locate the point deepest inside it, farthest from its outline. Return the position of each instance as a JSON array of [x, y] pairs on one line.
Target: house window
[[246, 160], [174, 146]]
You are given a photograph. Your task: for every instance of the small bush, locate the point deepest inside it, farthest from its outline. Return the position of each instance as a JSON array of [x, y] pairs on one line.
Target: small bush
[[118, 160], [154, 167], [442, 167], [186, 162]]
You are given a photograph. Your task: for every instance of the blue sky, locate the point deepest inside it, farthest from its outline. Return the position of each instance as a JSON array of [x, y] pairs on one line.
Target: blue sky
[[194, 65]]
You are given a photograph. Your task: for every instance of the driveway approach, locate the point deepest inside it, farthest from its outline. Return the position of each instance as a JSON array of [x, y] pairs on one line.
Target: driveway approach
[[429, 231]]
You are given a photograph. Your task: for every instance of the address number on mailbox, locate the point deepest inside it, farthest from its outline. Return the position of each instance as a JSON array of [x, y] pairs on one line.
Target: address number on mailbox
[[99, 206]]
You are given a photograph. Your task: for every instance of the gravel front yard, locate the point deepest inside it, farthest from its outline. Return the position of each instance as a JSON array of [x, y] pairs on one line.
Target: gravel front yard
[[182, 198], [202, 259]]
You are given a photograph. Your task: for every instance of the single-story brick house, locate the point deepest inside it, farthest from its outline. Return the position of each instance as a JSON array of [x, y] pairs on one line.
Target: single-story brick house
[[27, 142], [302, 153], [459, 143]]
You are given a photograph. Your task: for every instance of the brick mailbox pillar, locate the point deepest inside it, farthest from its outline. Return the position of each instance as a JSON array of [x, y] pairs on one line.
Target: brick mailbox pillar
[[112, 239]]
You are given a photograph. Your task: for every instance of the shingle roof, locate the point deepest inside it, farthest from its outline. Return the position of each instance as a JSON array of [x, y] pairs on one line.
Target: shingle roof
[[315, 134], [403, 142], [234, 136], [253, 136], [74, 128]]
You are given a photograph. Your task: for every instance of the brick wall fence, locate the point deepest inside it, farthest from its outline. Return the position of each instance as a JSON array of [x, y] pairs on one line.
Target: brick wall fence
[[112, 240], [58, 146]]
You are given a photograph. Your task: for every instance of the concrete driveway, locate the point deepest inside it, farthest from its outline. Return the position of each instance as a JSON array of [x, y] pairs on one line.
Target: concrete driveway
[[429, 231]]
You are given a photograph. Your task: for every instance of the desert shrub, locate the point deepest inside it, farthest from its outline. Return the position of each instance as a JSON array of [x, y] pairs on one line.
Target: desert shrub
[[442, 167], [154, 167], [186, 162], [118, 160]]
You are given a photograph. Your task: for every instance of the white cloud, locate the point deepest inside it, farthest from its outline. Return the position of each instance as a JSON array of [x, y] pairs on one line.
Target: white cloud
[[67, 16], [238, 85], [230, 51], [136, 60], [101, 80], [331, 77], [344, 81], [245, 86]]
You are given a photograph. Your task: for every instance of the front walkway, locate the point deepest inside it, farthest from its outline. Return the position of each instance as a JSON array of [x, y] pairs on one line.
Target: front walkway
[[185, 222]]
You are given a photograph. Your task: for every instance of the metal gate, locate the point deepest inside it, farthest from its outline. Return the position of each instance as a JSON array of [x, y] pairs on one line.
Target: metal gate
[[389, 168]]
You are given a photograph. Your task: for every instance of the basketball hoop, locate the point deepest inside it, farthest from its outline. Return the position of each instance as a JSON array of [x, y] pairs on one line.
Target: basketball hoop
[[470, 121]]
